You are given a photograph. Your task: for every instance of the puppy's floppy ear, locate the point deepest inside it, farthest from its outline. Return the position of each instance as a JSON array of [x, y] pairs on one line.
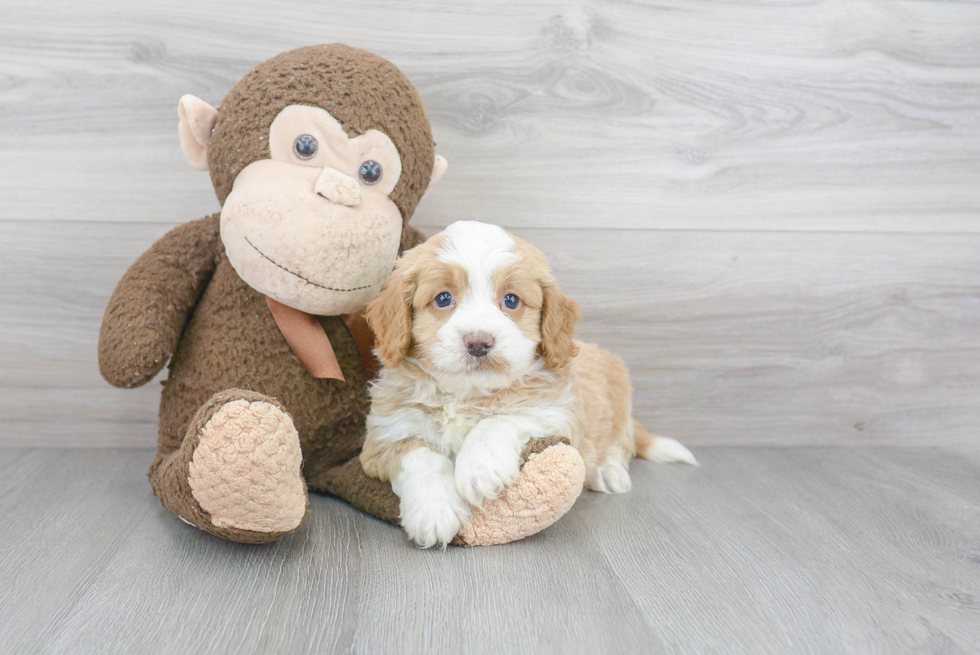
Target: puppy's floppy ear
[[390, 316], [559, 316]]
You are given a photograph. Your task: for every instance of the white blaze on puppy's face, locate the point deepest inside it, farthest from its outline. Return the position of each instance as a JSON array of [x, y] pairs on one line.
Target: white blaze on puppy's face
[[313, 226], [471, 338]]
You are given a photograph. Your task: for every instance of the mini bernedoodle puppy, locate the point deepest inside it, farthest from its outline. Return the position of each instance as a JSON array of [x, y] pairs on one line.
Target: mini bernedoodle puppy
[[479, 358]]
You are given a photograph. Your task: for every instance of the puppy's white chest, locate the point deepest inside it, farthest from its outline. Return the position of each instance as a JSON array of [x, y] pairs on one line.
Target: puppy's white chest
[[453, 427]]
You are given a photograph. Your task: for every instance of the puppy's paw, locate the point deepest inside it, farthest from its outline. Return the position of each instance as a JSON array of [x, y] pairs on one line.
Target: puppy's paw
[[435, 520], [550, 481], [431, 510], [610, 478], [484, 469]]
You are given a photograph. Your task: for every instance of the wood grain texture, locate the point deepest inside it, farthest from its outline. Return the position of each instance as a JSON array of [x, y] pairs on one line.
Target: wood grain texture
[[682, 114], [768, 209], [732, 338], [759, 550]]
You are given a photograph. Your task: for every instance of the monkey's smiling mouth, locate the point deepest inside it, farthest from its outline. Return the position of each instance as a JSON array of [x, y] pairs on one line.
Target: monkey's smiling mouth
[[295, 274]]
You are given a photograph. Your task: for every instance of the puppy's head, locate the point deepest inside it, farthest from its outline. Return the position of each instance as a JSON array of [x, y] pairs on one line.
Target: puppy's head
[[476, 306]]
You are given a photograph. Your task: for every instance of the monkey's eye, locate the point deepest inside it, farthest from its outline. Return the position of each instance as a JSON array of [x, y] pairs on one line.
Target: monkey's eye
[[444, 299], [511, 301], [305, 146], [370, 172]]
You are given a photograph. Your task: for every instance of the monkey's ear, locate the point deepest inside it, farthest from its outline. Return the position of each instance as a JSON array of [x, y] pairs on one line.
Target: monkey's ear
[[197, 119], [439, 167]]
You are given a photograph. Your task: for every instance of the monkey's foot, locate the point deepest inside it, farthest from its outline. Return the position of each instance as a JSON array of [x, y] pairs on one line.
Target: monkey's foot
[[549, 484], [237, 474]]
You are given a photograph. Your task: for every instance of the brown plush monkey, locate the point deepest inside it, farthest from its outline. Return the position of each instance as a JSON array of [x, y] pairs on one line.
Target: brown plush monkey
[[319, 157]]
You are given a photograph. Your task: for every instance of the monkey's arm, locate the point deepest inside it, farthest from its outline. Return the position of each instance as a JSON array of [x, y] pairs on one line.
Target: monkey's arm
[[152, 301]]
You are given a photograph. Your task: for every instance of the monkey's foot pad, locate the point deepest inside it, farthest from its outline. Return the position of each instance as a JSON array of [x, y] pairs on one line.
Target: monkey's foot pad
[[550, 483], [246, 469]]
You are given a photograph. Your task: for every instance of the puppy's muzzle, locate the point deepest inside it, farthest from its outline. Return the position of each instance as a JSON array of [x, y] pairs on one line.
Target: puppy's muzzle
[[478, 344]]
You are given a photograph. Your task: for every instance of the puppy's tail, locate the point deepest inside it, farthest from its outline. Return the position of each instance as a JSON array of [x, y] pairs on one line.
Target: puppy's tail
[[660, 449]]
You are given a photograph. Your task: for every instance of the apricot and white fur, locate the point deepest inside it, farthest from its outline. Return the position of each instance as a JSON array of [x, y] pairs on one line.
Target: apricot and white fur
[[466, 384]]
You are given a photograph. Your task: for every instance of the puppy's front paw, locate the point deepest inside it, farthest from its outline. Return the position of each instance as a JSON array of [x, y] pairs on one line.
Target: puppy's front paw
[[431, 510], [433, 514], [483, 470]]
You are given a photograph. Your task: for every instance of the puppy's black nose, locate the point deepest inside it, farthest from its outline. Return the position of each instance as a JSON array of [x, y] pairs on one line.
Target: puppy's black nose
[[478, 344]]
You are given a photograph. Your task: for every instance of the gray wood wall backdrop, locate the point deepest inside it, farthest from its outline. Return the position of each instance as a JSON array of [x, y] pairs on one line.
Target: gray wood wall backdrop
[[769, 209]]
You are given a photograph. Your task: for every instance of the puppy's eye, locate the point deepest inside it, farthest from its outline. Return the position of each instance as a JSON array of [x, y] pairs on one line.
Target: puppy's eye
[[370, 172], [444, 299], [511, 301], [305, 146]]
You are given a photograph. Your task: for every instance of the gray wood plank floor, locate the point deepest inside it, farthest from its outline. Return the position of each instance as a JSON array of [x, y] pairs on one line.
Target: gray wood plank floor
[[809, 550]]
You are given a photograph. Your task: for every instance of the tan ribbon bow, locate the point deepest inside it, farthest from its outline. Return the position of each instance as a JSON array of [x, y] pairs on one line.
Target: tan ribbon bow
[[312, 347]]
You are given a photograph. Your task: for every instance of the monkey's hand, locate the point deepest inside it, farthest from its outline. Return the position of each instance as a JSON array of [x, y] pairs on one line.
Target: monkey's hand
[[151, 303]]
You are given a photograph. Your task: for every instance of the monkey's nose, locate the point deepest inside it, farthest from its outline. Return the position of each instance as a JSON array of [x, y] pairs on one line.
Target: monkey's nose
[[478, 344], [337, 187]]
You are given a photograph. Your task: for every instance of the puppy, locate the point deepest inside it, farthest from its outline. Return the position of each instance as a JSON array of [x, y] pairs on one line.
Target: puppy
[[479, 358]]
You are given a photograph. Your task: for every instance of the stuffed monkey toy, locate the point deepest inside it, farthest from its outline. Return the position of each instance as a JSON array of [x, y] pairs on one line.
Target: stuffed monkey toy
[[318, 157]]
